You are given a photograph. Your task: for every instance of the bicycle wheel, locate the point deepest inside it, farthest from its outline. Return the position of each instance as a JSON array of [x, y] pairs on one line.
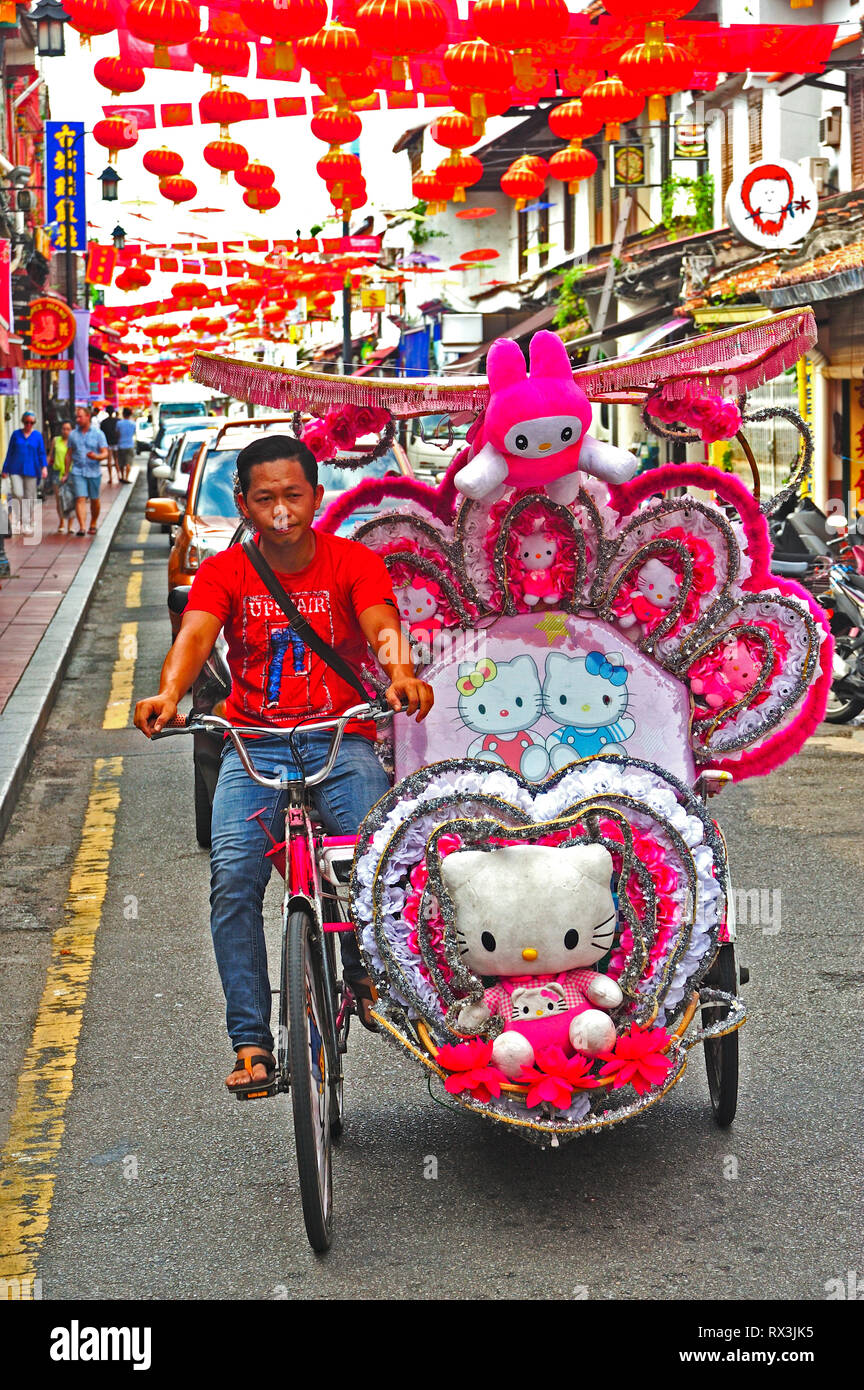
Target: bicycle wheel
[[310, 1052], [337, 988], [721, 1054]]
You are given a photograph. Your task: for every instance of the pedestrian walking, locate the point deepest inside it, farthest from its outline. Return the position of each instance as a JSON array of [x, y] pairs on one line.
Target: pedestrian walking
[[125, 444], [108, 426], [25, 463], [88, 449], [58, 457]]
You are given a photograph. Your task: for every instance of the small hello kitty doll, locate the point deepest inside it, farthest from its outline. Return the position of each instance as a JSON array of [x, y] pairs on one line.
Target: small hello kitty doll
[[418, 609], [657, 589], [560, 922], [728, 678], [537, 553]]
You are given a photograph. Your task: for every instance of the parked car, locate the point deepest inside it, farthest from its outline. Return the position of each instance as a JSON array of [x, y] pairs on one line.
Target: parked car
[[172, 477], [433, 443], [144, 434], [165, 434]]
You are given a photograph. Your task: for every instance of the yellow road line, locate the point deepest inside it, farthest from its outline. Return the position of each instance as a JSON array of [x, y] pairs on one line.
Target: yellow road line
[[28, 1163], [133, 589], [143, 531], [119, 705], [137, 557]]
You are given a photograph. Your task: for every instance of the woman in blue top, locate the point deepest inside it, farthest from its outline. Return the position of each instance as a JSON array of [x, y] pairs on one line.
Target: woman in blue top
[[25, 463]]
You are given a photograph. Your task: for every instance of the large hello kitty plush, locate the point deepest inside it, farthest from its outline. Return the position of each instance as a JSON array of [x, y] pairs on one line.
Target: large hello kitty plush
[[533, 433], [499, 702], [536, 917], [588, 697]]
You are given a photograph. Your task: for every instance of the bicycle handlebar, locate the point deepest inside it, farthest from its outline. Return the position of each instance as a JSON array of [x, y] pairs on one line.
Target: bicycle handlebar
[[181, 725]]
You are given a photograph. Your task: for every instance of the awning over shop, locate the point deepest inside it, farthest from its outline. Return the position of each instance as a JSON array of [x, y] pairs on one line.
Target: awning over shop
[[378, 356], [542, 319]]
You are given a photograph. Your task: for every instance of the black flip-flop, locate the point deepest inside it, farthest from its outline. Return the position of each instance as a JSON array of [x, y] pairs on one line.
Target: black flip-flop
[[80, 533], [253, 1090]]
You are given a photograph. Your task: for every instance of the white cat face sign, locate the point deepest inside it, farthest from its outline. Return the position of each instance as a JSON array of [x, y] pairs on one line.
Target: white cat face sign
[[550, 689]]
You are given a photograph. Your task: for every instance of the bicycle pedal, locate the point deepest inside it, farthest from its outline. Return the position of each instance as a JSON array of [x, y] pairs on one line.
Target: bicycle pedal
[[263, 1094]]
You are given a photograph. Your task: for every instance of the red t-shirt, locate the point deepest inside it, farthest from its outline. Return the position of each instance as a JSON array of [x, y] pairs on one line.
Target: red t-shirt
[[276, 678]]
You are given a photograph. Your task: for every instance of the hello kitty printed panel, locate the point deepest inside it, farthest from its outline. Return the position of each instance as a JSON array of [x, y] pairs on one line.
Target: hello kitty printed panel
[[540, 691]]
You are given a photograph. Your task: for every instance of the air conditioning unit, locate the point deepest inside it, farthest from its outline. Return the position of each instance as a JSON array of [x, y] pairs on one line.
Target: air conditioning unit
[[831, 128], [820, 171]]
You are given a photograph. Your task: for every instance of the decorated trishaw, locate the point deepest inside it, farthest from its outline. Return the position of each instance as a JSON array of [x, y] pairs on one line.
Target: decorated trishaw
[[543, 897]]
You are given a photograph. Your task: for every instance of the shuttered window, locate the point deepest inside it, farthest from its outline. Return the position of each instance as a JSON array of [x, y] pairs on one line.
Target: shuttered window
[[856, 126], [543, 232], [726, 153], [754, 125], [569, 219]]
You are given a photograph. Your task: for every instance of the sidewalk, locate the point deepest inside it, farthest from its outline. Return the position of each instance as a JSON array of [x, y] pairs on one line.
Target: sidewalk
[[42, 606], [41, 575]]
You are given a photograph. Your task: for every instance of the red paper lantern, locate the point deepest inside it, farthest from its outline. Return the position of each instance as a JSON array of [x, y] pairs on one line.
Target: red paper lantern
[[169, 330], [431, 190], [261, 199], [284, 24], [255, 175], [91, 17], [272, 313], [115, 133], [522, 184], [188, 293], [494, 104], [336, 127], [324, 300], [224, 105], [132, 278], [338, 169], [480, 67], [162, 162], [535, 162], [118, 76], [177, 189], [218, 55], [226, 156], [248, 291], [216, 326], [519, 25], [656, 69], [453, 132], [198, 323], [458, 172], [571, 121], [400, 28], [572, 166], [164, 23], [611, 102], [334, 51]]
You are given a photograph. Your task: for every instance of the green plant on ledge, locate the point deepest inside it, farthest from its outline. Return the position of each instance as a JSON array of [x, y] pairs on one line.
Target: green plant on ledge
[[571, 306], [421, 232], [701, 191]]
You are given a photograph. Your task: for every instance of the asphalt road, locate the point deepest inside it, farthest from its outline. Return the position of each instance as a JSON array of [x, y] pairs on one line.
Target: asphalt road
[[167, 1188]]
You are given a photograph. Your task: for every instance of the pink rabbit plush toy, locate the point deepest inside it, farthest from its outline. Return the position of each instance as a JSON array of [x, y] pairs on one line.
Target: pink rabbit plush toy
[[534, 430]]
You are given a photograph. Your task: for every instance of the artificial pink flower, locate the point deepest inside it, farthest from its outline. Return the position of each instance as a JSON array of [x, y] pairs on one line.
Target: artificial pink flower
[[367, 419], [637, 1058], [341, 428], [468, 1063], [317, 438]]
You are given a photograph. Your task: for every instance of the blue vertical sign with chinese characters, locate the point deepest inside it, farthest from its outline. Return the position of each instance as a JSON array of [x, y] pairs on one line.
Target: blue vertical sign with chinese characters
[[65, 208]]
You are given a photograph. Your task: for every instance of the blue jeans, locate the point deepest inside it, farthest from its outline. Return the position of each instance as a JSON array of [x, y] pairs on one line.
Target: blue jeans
[[239, 869]]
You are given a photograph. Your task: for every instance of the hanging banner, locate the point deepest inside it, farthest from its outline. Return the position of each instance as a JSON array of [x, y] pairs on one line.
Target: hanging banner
[[65, 209], [7, 313], [101, 261], [82, 355]]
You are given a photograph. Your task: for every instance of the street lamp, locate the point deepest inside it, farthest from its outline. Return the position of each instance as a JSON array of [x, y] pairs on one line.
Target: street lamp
[[50, 18], [118, 236], [109, 180]]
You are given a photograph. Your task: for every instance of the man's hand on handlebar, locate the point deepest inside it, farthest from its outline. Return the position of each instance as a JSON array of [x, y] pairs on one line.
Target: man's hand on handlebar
[[411, 695], [152, 715]]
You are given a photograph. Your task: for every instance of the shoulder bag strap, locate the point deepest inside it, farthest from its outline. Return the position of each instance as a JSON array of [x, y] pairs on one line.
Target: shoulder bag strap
[[301, 626]]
